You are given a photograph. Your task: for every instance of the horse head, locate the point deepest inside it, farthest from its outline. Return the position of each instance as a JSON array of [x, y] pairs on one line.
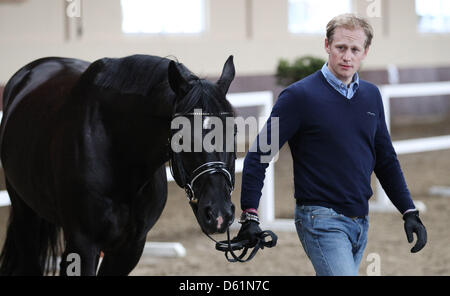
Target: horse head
[[202, 144]]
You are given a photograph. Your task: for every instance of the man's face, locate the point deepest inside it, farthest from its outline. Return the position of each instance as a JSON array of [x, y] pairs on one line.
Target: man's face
[[345, 52]]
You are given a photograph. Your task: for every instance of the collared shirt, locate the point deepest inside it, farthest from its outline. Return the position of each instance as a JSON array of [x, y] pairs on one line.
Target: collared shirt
[[338, 85], [308, 113]]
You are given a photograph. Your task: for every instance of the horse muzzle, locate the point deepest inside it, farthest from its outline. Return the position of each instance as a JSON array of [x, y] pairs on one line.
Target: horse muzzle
[[215, 221]]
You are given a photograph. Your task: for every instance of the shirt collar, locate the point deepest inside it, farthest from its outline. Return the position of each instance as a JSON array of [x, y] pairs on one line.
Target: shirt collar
[[333, 80]]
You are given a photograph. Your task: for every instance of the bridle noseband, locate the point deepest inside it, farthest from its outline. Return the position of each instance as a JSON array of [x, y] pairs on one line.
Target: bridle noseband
[[207, 168]]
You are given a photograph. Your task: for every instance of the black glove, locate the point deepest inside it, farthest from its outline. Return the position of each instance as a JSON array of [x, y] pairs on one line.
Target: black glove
[[414, 225], [249, 230]]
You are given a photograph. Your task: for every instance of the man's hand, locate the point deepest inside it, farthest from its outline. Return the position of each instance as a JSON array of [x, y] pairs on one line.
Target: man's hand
[[249, 230], [414, 225]]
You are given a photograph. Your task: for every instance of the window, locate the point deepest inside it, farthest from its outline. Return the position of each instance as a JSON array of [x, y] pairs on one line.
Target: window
[[434, 16], [311, 16], [163, 16]]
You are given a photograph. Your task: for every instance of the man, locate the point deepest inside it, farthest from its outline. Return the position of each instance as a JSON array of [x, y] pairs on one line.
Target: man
[[335, 126]]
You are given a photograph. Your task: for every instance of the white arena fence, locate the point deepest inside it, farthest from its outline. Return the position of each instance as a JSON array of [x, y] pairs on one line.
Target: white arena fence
[[389, 92], [264, 101], [381, 202]]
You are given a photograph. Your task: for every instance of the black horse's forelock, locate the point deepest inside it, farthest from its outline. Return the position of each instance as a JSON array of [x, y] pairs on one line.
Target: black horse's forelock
[[205, 96]]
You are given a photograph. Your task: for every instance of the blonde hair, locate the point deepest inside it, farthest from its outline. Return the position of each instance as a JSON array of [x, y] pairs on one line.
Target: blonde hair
[[350, 21]]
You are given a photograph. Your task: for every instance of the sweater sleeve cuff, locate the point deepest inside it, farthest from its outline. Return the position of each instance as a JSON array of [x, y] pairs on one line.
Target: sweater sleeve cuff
[[251, 210], [409, 210]]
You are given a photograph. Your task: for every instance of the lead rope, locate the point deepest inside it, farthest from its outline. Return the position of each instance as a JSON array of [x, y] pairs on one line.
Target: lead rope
[[230, 249], [260, 244]]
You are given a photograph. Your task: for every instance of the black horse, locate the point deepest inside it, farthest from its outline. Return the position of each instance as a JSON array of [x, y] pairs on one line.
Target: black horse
[[84, 147]]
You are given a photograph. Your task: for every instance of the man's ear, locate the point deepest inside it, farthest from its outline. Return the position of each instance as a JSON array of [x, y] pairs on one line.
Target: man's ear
[[366, 51], [177, 82], [327, 46]]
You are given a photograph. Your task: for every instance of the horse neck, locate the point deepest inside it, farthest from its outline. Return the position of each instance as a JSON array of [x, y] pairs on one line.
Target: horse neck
[[140, 127]]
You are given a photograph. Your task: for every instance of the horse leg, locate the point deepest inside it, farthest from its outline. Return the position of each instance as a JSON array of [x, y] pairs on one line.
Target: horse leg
[[31, 242], [80, 257], [121, 261], [147, 208]]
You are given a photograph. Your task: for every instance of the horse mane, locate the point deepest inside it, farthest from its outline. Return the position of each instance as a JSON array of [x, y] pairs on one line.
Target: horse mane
[[136, 74], [140, 74]]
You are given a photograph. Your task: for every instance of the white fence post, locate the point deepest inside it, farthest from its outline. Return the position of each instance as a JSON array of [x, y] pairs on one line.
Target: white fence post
[[266, 209], [263, 100]]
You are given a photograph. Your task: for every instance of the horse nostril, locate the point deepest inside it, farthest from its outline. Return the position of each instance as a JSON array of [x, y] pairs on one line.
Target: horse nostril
[[230, 215], [209, 215]]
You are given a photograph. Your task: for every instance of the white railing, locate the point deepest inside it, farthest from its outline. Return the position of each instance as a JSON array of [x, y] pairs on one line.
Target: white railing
[[264, 101], [381, 202], [4, 197], [389, 92]]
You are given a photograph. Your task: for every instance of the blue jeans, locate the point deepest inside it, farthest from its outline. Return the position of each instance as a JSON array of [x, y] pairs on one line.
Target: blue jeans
[[333, 242]]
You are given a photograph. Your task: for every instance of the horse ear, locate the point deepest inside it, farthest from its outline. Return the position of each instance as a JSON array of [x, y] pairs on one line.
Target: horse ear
[[227, 76], [177, 82]]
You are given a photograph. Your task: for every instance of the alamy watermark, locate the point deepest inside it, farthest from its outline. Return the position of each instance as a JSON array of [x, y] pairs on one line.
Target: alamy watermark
[[374, 267], [73, 8], [373, 9], [214, 134], [74, 264]]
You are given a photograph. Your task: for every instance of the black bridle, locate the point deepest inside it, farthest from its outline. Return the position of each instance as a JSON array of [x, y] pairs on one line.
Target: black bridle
[[187, 182], [208, 168]]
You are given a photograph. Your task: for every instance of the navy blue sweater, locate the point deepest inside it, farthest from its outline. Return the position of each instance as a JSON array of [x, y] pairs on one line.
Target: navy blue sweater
[[335, 144]]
